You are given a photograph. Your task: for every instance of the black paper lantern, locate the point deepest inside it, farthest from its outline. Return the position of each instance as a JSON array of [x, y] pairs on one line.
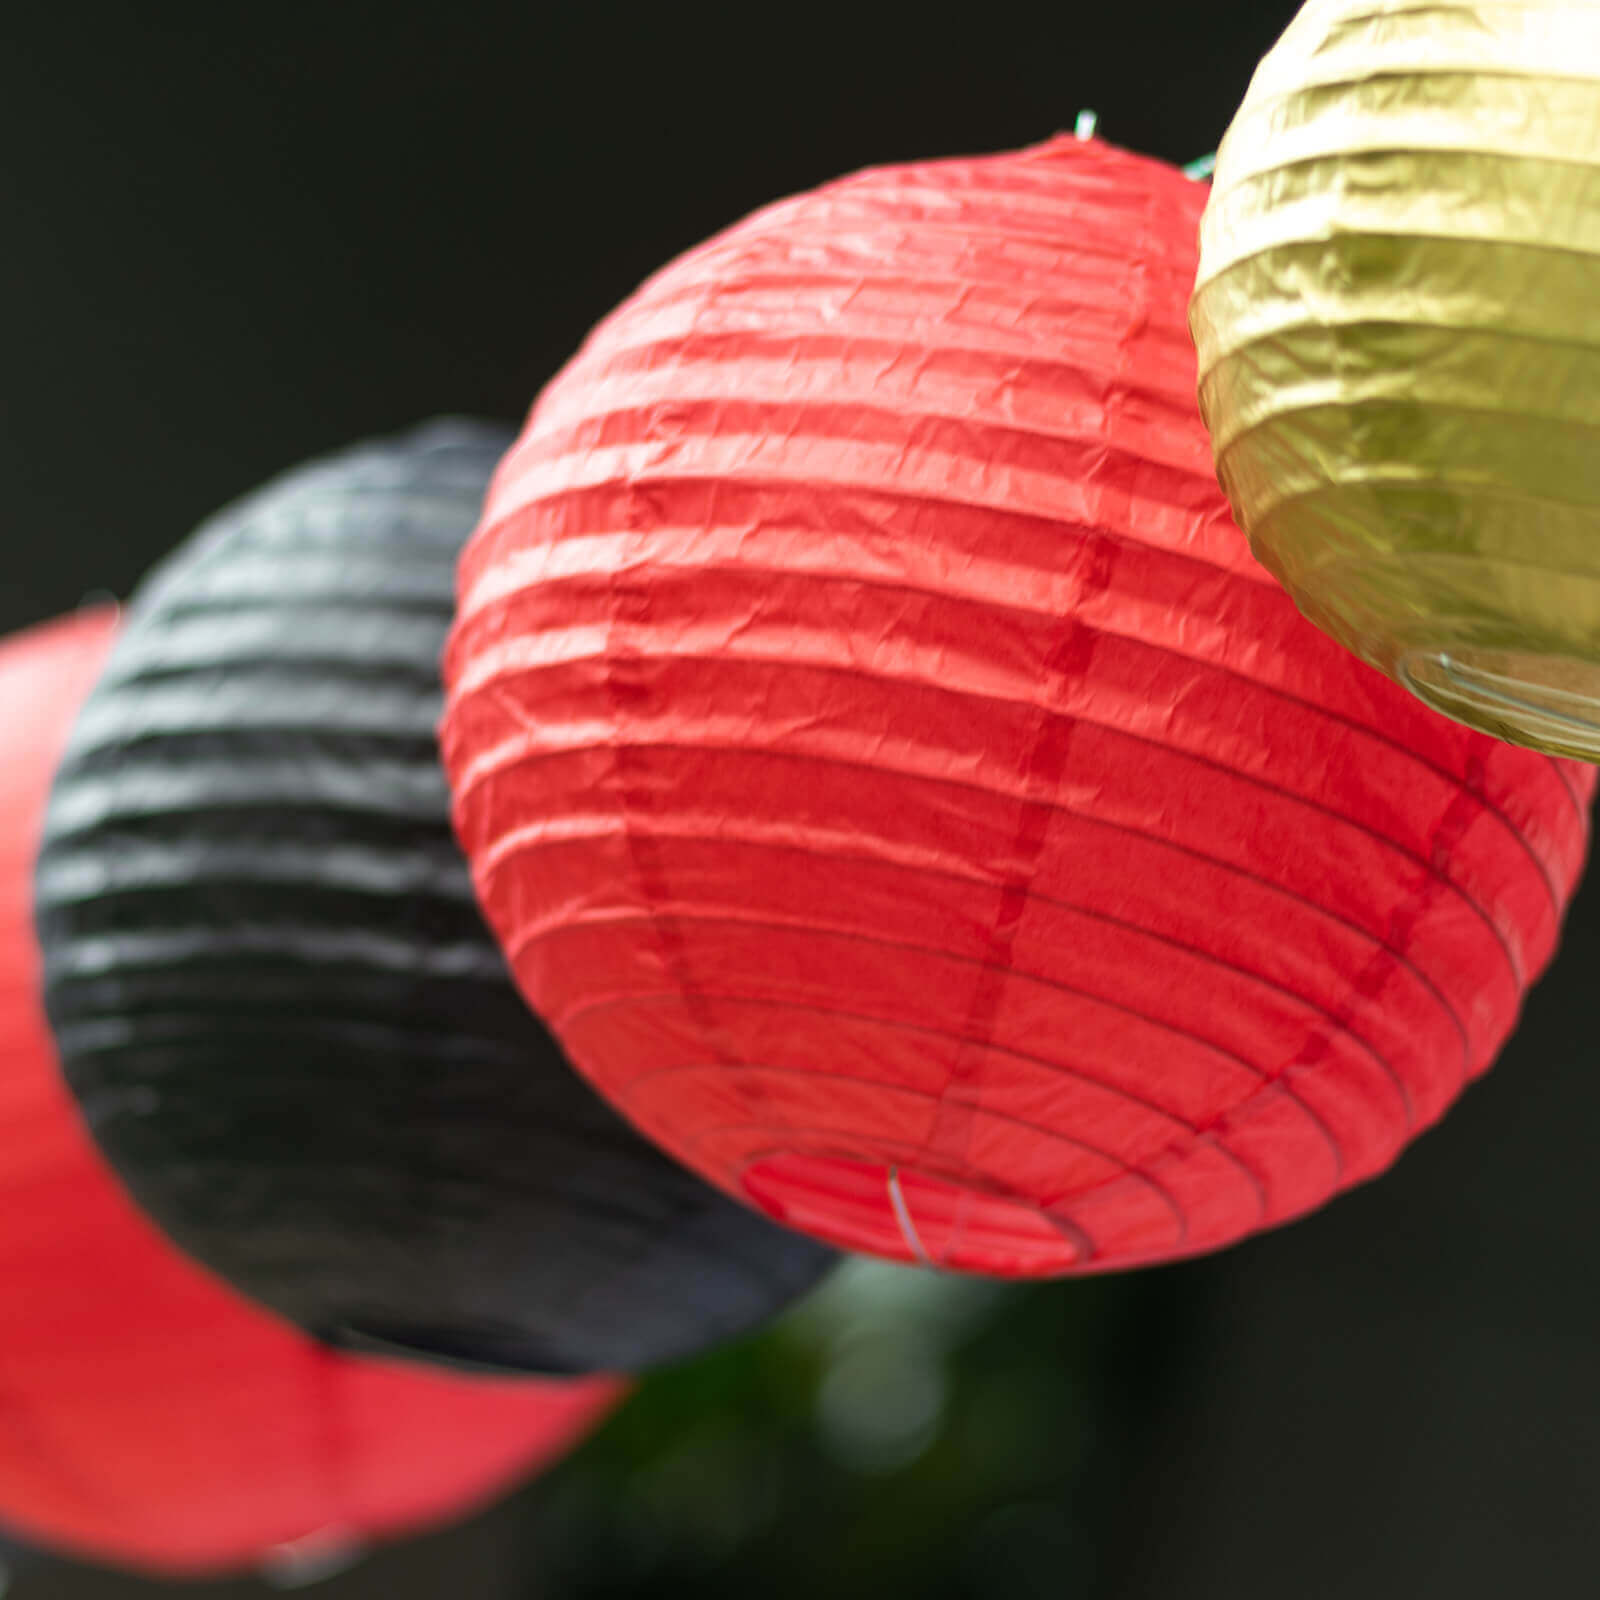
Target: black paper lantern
[[272, 989]]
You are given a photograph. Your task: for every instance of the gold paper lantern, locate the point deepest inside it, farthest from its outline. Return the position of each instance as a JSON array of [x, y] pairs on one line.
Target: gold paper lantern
[[1398, 321]]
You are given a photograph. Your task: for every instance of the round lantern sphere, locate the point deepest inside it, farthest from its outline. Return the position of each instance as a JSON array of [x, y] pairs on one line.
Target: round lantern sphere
[[896, 784], [158, 1420], [277, 1001], [1399, 343]]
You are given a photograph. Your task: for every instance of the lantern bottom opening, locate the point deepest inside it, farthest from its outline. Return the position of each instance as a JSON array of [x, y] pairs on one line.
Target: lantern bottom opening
[[1549, 702], [907, 1215]]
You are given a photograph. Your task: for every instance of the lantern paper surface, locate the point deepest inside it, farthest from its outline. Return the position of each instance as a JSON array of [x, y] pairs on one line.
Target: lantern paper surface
[[274, 994], [897, 785], [153, 1418], [1398, 320]]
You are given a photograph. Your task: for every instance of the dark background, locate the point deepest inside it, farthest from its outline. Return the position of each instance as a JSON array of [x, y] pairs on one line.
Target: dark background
[[236, 241]]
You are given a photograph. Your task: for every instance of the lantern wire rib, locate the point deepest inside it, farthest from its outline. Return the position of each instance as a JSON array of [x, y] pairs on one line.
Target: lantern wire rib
[[1176, 752], [848, 420], [1441, 155], [1216, 1138], [1214, 1134], [902, 1215], [1080, 1238], [388, 727], [1053, 490], [709, 353], [524, 943], [501, 591], [1444, 156], [702, 349], [1276, 691], [1484, 492], [1263, 1078], [1058, 1213], [285, 668], [1532, 246], [1195, 1134], [1125, 1169], [661, 1074], [1227, 445], [1440, 559], [475, 608], [257, 575], [487, 770], [156, 952], [564, 1019], [349, 872], [1277, 790], [536, 934], [1270, 333], [907, 1152], [527, 842]]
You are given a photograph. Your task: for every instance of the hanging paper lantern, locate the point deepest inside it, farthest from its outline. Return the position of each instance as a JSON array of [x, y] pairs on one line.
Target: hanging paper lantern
[[153, 1418], [274, 994], [1400, 347], [895, 783]]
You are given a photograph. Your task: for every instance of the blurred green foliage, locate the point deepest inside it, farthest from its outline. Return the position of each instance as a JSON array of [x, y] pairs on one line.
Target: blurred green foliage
[[900, 1433]]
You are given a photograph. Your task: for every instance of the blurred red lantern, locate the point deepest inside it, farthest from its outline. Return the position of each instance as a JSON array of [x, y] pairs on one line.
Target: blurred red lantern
[[152, 1417], [891, 776]]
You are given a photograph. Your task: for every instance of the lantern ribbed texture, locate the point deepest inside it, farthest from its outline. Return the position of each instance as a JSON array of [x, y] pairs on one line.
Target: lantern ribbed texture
[[896, 784], [275, 996], [148, 1416], [1399, 339]]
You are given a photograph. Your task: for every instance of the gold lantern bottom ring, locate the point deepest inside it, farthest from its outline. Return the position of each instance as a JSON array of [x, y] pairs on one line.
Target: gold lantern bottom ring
[[1509, 650], [1551, 703]]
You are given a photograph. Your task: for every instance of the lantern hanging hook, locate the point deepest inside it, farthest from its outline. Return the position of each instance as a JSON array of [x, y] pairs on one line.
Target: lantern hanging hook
[[313, 1558], [902, 1215]]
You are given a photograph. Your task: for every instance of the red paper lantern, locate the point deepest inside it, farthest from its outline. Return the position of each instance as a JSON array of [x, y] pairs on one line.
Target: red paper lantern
[[892, 777], [152, 1417]]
